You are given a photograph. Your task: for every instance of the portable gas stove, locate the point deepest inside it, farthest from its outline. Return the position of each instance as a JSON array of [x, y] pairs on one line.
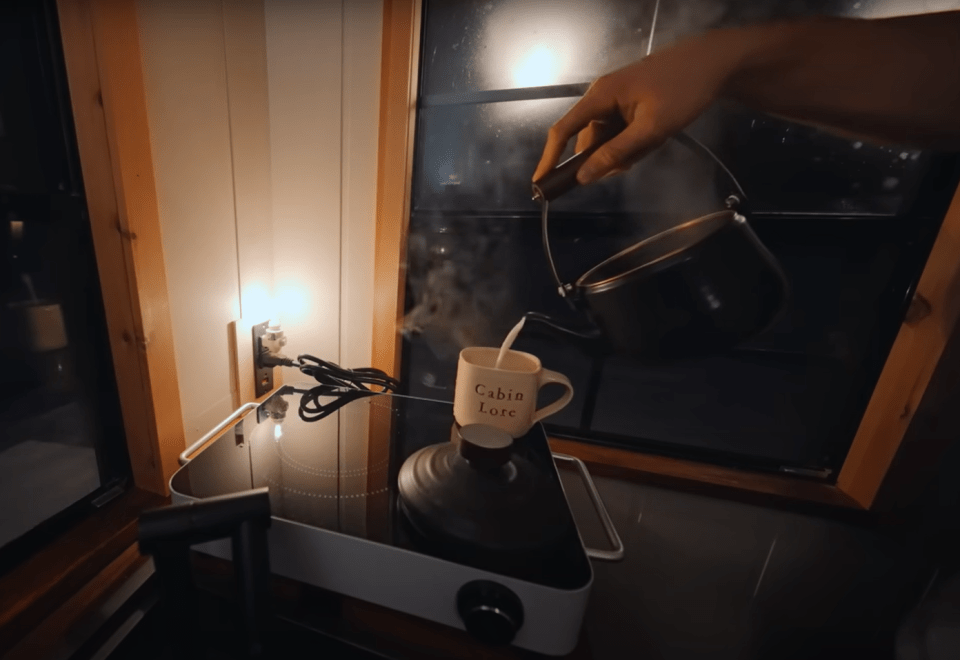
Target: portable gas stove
[[337, 523]]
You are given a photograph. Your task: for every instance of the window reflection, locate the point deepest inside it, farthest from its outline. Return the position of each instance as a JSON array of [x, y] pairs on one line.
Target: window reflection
[[528, 44]]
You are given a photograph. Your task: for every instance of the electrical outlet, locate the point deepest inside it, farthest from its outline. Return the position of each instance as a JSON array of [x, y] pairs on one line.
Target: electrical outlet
[[262, 375]]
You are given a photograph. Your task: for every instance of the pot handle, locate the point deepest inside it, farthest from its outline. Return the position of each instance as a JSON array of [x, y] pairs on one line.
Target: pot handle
[[616, 554], [563, 177], [591, 333]]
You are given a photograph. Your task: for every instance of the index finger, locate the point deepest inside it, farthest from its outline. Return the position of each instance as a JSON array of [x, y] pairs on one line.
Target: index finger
[[592, 105]]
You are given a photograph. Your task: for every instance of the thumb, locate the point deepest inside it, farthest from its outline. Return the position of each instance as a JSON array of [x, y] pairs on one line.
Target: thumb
[[616, 155]]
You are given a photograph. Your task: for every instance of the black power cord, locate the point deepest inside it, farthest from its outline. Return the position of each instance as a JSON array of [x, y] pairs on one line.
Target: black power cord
[[345, 385]]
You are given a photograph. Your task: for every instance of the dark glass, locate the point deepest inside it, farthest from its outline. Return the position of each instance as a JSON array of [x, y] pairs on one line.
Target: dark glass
[[479, 156], [61, 432], [477, 45]]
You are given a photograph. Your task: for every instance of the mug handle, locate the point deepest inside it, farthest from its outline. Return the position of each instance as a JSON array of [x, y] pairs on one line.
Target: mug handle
[[548, 376]]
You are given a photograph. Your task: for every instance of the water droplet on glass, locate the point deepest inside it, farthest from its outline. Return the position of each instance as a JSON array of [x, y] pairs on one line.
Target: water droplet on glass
[[904, 155], [857, 145], [890, 183], [429, 379]]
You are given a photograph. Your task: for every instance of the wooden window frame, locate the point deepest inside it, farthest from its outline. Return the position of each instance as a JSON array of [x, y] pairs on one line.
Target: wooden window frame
[[896, 443], [53, 588], [101, 46]]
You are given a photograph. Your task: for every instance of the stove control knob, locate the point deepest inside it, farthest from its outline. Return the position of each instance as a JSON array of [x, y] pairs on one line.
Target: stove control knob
[[491, 613]]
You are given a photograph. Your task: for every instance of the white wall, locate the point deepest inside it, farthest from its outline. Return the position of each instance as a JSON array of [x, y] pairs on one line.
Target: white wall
[[304, 63], [362, 36], [324, 73], [186, 84], [263, 118]]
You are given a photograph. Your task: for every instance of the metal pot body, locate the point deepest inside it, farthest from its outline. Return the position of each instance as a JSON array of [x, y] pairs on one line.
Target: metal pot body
[[697, 289]]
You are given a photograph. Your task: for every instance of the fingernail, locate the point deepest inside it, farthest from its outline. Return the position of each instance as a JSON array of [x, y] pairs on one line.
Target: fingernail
[[586, 174]]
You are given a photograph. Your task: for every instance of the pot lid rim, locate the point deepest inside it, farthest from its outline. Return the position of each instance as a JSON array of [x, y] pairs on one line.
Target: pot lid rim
[[606, 283]]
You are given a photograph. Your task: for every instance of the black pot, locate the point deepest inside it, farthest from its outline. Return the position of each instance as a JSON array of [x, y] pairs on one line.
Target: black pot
[[697, 289], [478, 497]]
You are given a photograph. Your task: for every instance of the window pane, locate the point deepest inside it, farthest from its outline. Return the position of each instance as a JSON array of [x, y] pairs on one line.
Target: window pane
[[61, 432], [497, 44], [480, 156], [843, 217]]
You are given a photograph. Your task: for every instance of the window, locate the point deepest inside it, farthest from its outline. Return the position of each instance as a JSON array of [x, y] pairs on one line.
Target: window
[[61, 436], [849, 222]]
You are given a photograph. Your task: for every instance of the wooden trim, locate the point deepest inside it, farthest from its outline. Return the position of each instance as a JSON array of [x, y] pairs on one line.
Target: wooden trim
[[934, 428], [398, 93], [672, 472], [102, 52], [908, 369], [63, 627], [44, 582]]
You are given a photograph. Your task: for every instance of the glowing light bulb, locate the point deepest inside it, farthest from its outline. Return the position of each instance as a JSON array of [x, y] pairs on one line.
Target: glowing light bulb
[[277, 431]]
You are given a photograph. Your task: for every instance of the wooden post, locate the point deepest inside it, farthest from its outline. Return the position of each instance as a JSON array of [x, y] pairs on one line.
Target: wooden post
[[102, 53]]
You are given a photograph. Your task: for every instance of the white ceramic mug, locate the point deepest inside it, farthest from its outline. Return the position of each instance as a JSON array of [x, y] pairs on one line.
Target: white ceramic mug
[[504, 397]]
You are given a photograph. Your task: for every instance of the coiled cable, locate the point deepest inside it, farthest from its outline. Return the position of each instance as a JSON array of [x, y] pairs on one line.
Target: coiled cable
[[345, 385]]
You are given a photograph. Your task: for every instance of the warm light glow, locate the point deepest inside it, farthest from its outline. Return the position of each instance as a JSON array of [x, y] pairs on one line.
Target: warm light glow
[[291, 305], [538, 67], [532, 44], [257, 304]]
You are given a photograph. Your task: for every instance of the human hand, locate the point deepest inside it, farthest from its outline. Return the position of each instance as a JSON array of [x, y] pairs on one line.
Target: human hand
[[644, 104]]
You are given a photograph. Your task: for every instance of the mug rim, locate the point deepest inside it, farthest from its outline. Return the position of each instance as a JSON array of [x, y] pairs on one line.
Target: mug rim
[[466, 353]]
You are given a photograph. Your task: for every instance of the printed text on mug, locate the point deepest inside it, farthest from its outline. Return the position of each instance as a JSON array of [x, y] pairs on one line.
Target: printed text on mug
[[497, 395]]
